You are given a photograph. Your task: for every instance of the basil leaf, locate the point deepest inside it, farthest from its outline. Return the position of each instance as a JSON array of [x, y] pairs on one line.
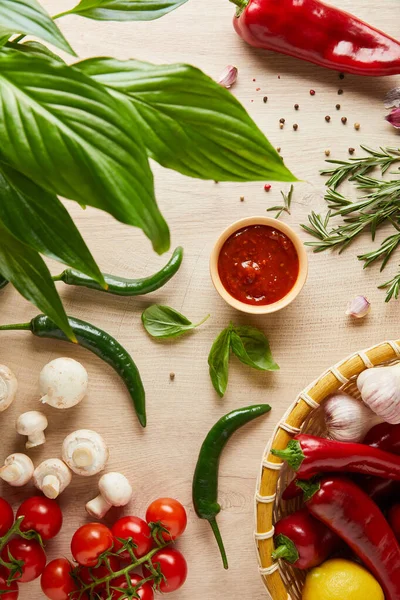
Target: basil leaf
[[30, 276], [218, 361], [28, 17], [125, 10], [66, 133], [190, 123], [251, 347], [165, 322], [38, 218]]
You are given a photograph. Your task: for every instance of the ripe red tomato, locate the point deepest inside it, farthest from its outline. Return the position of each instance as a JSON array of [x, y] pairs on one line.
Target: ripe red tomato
[[6, 517], [173, 566], [145, 592], [41, 514], [89, 542], [171, 514], [28, 551], [56, 581], [7, 592], [138, 530], [88, 575]]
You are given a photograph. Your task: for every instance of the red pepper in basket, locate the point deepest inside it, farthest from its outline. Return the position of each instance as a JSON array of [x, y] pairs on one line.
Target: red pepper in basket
[[303, 541], [318, 33], [309, 455], [386, 437], [349, 512], [394, 520]]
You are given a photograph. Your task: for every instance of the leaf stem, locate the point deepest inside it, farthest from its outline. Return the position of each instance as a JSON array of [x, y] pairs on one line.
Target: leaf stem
[[203, 320], [62, 14], [18, 39]]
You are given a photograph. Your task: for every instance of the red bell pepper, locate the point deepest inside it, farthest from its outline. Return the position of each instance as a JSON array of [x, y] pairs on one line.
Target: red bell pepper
[[349, 512], [303, 541], [394, 520], [318, 33], [309, 455], [386, 437]]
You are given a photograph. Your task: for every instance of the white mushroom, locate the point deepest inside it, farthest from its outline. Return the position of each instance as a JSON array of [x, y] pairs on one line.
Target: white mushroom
[[8, 387], [52, 477], [17, 470], [63, 383], [115, 490], [85, 452], [32, 423]]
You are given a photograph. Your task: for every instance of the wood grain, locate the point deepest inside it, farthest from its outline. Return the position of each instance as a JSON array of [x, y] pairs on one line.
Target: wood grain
[[307, 337]]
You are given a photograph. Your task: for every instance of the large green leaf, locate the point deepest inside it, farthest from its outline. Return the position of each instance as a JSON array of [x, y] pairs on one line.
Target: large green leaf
[[28, 17], [38, 219], [125, 10], [69, 135], [30, 276], [189, 122]]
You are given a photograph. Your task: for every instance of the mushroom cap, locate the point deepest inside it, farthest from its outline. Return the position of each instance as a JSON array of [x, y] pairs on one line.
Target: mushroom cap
[[115, 488], [63, 382], [52, 466], [89, 445], [31, 422], [21, 465], [8, 387]]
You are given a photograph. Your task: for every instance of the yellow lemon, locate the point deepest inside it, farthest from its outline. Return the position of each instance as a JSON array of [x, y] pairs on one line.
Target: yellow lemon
[[340, 579]]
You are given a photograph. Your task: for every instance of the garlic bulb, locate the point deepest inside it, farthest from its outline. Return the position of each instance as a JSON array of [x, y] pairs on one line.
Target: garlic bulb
[[347, 419], [359, 307], [380, 390]]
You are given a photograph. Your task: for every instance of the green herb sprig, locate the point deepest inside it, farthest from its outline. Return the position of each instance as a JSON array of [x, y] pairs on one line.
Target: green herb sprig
[[287, 202], [379, 204], [249, 345]]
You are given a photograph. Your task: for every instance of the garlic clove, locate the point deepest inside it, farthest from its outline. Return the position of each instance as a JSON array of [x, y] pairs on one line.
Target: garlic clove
[[359, 307], [380, 391], [394, 118], [347, 419], [228, 76]]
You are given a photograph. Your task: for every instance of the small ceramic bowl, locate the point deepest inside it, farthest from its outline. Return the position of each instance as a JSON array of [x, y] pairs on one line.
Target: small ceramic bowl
[[264, 308]]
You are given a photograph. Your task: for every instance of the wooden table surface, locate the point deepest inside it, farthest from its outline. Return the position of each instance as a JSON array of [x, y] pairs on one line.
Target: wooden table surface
[[305, 338]]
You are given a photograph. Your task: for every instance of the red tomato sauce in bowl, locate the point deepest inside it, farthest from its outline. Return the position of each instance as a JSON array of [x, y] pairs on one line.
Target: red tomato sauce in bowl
[[258, 265]]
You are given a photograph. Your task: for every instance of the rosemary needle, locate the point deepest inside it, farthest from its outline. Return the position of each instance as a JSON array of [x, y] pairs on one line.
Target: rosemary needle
[[287, 201]]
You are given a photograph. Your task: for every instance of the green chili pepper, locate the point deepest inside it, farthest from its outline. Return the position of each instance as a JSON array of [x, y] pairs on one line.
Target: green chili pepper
[[205, 480], [126, 287], [3, 282], [100, 343]]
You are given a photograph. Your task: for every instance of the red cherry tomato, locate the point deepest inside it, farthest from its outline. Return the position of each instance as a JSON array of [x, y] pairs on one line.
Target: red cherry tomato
[[171, 514], [32, 555], [41, 514], [89, 542], [173, 566], [88, 575], [6, 517], [7, 592], [56, 581], [145, 592], [138, 530], [394, 519]]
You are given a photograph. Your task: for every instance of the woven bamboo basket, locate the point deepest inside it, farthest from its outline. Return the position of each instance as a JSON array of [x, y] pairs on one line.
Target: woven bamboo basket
[[283, 581]]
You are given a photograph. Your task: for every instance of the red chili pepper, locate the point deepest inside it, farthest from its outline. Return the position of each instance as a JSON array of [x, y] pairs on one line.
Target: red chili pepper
[[394, 520], [303, 541], [349, 512], [292, 491], [309, 455], [318, 33]]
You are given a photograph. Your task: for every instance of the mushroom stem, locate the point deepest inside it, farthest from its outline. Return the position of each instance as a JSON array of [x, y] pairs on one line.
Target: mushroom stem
[[51, 486], [98, 507], [35, 439], [17, 470], [83, 456]]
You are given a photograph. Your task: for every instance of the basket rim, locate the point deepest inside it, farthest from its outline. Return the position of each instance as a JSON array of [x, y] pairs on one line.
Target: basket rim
[[308, 400]]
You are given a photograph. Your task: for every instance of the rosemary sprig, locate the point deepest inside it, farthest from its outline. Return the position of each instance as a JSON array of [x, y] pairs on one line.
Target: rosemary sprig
[[383, 159], [379, 204], [287, 201], [392, 287]]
